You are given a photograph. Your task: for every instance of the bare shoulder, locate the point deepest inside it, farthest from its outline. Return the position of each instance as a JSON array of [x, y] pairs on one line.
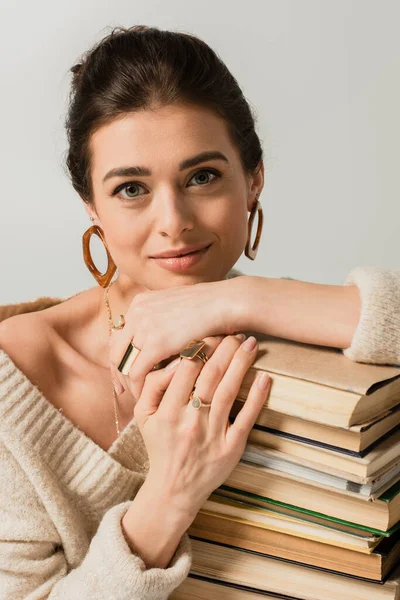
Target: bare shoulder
[[48, 345], [35, 330], [26, 338], [62, 352]]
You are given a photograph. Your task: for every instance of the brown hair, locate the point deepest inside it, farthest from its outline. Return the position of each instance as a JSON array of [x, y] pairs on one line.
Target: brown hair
[[139, 67]]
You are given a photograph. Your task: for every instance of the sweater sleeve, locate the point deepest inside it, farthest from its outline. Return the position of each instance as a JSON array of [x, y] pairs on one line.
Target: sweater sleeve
[[32, 561], [111, 570], [377, 336]]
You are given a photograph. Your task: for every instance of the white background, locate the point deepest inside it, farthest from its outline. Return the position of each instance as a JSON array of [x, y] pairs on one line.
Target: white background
[[324, 80]]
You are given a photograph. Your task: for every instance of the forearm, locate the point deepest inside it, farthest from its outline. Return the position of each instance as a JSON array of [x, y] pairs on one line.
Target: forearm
[[312, 313], [153, 527]]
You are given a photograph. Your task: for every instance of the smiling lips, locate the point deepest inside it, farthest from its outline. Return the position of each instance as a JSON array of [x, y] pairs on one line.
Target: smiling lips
[[180, 251], [182, 262]]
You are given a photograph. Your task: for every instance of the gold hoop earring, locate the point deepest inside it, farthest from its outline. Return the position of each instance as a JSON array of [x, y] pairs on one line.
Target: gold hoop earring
[[251, 251], [102, 279]]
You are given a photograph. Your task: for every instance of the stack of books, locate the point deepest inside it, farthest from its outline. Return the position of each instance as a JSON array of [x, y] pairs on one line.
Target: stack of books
[[312, 510]]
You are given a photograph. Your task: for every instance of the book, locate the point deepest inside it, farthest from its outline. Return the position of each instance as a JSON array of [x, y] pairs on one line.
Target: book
[[304, 513], [356, 440], [378, 460], [320, 384], [248, 535], [260, 572], [195, 587], [380, 514], [316, 473], [297, 525]]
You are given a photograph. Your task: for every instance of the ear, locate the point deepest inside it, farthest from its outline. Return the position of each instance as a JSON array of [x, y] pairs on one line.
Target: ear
[[91, 212], [256, 184]]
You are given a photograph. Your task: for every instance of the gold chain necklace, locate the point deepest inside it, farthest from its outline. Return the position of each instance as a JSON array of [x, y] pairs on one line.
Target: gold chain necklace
[[110, 324]]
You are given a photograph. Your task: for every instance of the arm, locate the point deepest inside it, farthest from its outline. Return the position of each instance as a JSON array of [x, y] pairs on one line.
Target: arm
[[312, 313], [153, 526], [33, 563], [113, 569], [362, 317]]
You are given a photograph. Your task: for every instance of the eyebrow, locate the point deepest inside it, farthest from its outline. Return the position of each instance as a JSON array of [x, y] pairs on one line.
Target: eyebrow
[[185, 164]]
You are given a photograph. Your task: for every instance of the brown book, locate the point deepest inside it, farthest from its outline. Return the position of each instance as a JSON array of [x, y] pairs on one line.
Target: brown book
[[247, 535], [293, 523], [247, 568], [320, 384], [204, 588], [380, 514], [357, 439]]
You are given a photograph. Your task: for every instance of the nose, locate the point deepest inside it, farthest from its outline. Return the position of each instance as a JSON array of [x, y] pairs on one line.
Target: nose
[[174, 215]]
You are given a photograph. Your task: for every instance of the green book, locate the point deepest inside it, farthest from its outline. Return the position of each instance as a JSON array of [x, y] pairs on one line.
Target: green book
[[309, 515]]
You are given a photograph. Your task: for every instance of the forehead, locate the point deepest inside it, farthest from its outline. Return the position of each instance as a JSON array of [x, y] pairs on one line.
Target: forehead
[[158, 137]]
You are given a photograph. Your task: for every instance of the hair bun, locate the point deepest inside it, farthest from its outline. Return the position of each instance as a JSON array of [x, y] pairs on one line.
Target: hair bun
[[77, 68]]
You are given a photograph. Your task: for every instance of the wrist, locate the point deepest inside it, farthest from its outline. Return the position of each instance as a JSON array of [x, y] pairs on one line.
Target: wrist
[[311, 313], [242, 295], [159, 499], [153, 527]]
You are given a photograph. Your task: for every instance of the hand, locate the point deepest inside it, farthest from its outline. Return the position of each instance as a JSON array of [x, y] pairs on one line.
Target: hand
[[161, 323], [192, 451]]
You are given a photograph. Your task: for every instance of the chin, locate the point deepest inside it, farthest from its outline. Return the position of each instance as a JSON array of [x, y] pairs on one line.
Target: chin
[[175, 280]]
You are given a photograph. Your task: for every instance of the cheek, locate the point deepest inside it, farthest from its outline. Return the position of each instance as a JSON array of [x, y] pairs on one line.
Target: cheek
[[230, 223], [126, 243]]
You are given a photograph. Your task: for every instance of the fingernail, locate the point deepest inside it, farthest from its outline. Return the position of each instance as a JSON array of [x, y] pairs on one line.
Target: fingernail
[[263, 381], [117, 387], [249, 344], [240, 336], [173, 364]]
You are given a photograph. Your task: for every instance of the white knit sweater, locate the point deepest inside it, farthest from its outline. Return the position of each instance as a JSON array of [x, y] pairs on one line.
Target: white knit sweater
[[62, 497]]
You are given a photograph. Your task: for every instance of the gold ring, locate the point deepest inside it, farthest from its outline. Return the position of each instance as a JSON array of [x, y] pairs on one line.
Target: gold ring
[[197, 402], [193, 349], [128, 359], [203, 356], [120, 323]]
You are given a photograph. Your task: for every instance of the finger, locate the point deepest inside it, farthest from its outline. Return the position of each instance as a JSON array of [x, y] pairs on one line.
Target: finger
[[238, 432], [154, 388], [214, 370], [144, 363], [118, 344], [119, 381], [118, 387], [185, 377], [229, 386], [119, 340], [127, 381]]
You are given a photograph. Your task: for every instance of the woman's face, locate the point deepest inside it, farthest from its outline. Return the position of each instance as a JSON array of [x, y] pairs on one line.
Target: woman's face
[[171, 195]]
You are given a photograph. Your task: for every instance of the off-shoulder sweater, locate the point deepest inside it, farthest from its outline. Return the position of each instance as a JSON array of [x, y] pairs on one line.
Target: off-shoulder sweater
[[62, 497]]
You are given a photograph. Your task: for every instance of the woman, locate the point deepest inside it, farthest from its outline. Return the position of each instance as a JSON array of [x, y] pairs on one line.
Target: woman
[[165, 158]]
